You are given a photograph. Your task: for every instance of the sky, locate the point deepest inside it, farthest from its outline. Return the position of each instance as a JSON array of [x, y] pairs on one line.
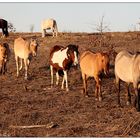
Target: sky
[[72, 17]]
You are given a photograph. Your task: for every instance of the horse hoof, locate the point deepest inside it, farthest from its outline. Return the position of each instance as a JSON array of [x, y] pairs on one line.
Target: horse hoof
[[119, 105], [86, 96], [128, 103], [67, 89], [96, 99], [26, 78], [100, 99]]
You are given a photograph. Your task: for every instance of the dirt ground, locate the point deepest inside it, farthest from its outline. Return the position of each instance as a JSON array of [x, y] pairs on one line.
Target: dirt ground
[[57, 113]]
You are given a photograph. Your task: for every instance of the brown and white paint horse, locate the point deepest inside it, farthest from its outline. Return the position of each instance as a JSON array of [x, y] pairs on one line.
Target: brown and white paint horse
[[61, 59]]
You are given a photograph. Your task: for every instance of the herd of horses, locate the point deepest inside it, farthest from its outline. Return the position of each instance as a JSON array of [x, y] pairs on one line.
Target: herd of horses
[[127, 65]]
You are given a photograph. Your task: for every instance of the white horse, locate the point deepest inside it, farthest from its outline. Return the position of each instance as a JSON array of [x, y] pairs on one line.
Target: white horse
[[127, 68], [49, 24]]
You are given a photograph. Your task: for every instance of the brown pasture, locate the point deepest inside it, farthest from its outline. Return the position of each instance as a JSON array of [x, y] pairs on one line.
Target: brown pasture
[[30, 108]]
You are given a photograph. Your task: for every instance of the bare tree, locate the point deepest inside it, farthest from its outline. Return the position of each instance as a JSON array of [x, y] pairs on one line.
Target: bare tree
[[101, 27], [31, 28], [11, 27]]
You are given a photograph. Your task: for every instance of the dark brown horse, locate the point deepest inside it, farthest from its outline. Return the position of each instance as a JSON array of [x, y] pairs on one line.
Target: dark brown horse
[[4, 27]]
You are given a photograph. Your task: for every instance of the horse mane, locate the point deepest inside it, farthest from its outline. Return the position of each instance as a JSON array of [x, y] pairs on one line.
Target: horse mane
[[72, 47]]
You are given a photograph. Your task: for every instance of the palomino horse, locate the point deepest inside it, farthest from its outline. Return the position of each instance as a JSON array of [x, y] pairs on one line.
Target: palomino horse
[[24, 50], [49, 24], [61, 59], [127, 68], [4, 27], [92, 65]]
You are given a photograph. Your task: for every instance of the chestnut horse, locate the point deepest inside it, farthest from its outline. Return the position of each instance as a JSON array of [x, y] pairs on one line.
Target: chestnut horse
[[61, 59], [127, 68], [4, 27], [92, 65]]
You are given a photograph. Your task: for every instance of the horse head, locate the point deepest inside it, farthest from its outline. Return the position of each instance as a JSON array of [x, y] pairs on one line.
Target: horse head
[[105, 63], [33, 47], [72, 53]]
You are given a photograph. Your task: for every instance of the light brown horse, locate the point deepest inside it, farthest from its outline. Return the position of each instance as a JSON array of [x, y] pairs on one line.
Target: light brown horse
[[92, 65], [24, 50], [127, 68]]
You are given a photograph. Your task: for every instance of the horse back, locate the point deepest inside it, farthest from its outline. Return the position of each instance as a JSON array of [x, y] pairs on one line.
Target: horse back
[[123, 66], [89, 63], [21, 47], [48, 24], [136, 68], [3, 23]]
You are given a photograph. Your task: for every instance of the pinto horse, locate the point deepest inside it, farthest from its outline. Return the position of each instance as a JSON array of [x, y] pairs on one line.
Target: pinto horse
[[4, 26], [61, 59], [127, 69], [92, 65]]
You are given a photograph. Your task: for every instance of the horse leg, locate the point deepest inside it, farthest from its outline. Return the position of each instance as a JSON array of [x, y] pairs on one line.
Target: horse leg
[[16, 58], [98, 94], [63, 81], [137, 96], [6, 32], [84, 84], [26, 69], [43, 33], [51, 68], [53, 31], [137, 99], [66, 79], [3, 32], [57, 78], [128, 95], [117, 80], [0, 68], [56, 32], [20, 65], [4, 67]]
